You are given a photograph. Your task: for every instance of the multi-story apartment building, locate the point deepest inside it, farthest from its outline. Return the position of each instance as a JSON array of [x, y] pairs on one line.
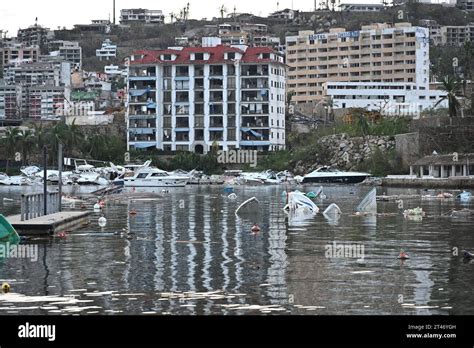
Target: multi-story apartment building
[[340, 64], [141, 15], [34, 35], [107, 51], [434, 29], [9, 101], [457, 35], [70, 51], [16, 53], [467, 5], [45, 101], [187, 99], [40, 89]]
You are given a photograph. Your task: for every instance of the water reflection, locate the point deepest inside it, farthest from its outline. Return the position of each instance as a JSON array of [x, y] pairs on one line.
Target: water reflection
[[190, 242]]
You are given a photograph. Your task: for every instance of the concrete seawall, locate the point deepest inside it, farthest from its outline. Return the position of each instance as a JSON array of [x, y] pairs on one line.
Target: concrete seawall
[[457, 183]]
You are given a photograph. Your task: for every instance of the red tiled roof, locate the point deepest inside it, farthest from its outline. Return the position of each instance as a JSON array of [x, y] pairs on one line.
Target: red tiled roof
[[217, 55]]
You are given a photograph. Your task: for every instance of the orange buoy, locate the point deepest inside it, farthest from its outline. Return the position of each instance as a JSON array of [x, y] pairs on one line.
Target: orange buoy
[[403, 256], [255, 228], [62, 235]]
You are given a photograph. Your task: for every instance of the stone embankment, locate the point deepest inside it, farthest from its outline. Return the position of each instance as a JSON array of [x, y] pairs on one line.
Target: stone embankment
[[348, 153]]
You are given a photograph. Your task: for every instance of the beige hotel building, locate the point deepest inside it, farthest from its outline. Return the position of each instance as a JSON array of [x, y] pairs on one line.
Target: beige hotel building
[[379, 64]]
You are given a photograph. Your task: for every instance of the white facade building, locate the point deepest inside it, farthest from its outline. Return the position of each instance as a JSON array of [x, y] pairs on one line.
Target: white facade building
[[141, 15], [380, 67], [186, 99], [399, 99], [107, 51]]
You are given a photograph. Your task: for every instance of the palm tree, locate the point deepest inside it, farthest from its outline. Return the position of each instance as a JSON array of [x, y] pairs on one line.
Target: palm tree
[[26, 139], [222, 11], [57, 135], [40, 136], [11, 143], [74, 136], [451, 87], [468, 57]]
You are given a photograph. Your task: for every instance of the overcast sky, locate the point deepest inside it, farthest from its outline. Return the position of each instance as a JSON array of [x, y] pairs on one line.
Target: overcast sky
[[54, 13]]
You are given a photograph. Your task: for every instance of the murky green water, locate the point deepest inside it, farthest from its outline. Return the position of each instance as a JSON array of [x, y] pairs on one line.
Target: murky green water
[[189, 254]]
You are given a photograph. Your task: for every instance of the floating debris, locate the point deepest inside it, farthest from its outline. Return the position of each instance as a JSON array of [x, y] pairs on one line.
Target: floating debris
[[465, 196], [414, 212], [362, 272]]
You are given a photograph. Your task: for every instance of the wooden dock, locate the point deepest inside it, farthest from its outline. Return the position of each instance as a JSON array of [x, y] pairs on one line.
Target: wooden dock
[[49, 224]]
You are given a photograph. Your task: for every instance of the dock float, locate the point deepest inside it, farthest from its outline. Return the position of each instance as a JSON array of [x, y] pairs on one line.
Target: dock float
[[49, 224]]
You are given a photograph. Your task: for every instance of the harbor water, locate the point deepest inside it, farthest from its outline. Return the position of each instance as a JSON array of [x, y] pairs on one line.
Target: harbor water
[[185, 252]]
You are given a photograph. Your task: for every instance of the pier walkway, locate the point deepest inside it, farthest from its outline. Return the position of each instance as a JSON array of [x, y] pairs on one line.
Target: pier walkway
[[49, 224]]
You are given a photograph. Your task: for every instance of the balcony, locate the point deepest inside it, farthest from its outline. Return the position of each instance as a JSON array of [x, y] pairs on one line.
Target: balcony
[[254, 109], [253, 83], [216, 122], [255, 122], [255, 70], [142, 124], [255, 96]]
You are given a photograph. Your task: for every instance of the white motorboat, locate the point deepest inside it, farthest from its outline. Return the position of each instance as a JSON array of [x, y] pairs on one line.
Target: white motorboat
[[332, 175], [151, 177], [17, 180]]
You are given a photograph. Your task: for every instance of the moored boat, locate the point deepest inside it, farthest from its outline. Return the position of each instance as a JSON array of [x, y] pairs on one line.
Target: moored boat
[[334, 176]]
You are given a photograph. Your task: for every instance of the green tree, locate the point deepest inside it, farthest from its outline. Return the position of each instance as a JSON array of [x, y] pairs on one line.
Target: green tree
[[468, 62], [11, 140], [40, 135], [451, 87], [74, 137], [27, 141]]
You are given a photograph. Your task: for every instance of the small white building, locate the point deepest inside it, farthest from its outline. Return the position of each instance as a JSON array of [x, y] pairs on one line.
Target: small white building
[[391, 99], [286, 14], [141, 15], [107, 51], [361, 7]]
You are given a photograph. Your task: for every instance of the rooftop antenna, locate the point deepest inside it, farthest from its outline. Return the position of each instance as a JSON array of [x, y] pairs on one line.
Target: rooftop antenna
[[36, 22]]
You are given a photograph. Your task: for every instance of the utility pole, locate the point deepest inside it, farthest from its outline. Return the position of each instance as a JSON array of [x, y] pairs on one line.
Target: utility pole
[[60, 169], [45, 180], [114, 12]]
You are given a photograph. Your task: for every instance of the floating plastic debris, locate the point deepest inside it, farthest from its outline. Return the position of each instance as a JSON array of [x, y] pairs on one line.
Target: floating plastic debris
[[232, 196], [465, 196], [102, 221], [414, 212]]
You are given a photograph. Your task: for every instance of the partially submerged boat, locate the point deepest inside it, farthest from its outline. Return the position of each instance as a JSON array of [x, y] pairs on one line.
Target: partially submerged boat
[[7, 233], [250, 206], [299, 203], [334, 176], [369, 204], [17, 180]]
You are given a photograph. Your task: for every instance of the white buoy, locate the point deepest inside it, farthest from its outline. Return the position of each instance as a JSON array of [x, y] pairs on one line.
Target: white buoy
[[97, 207], [102, 221]]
